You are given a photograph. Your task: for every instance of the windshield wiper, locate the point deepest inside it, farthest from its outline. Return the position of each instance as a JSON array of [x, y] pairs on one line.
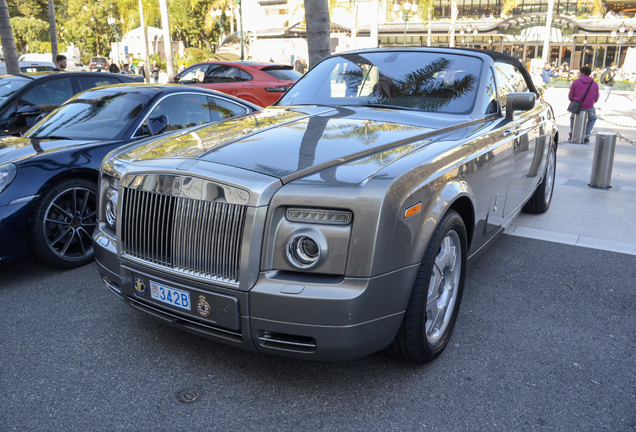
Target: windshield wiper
[[52, 137]]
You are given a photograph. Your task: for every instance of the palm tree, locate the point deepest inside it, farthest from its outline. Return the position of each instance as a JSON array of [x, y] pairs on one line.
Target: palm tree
[[167, 40], [8, 44], [52, 30], [144, 30], [318, 28], [453, 22]]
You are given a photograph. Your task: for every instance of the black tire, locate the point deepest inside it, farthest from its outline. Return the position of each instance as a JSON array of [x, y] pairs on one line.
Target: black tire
[[63, 221], [422, 337], [541, 199]]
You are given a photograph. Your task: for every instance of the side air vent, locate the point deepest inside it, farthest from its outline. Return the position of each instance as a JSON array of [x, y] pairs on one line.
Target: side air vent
[[286, 342]]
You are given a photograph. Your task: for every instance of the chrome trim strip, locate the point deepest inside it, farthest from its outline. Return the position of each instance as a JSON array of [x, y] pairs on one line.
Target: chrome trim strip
[[24, 199]]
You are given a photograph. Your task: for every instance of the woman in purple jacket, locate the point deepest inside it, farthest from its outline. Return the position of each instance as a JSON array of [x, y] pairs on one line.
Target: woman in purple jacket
[[578, 91]]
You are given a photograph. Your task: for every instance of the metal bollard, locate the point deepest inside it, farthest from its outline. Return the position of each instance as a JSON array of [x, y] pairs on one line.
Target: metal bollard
[[603, 161], [578, 129]]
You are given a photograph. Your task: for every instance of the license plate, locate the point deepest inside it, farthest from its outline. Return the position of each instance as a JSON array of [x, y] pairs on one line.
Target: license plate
[[172, 296]]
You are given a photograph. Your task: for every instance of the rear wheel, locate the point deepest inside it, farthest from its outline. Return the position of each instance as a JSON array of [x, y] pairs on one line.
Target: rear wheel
[[540, 201], [63, 221], [434, 304]]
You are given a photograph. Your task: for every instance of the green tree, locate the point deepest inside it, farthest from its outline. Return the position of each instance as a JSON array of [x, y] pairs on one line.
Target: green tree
[[28, 8], [29, 32], [6, 37]]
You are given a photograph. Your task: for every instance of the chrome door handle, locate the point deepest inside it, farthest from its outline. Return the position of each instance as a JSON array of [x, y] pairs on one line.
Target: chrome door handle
[[514, 130]]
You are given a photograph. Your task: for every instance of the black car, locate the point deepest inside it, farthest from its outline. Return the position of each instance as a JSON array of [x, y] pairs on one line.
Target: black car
[[48, 178], [24, 98], [98, 64]]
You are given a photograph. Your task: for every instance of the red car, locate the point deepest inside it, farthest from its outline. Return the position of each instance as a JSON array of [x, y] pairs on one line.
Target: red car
[[259, 83]]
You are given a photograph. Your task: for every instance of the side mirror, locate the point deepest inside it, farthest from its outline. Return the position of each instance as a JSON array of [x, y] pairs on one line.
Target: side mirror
[[29, 111], [158, 124], [519, 102]]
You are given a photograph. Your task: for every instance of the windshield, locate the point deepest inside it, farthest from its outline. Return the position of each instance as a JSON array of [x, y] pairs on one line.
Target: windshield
[[8, 87], [426, 81], [101, 114]]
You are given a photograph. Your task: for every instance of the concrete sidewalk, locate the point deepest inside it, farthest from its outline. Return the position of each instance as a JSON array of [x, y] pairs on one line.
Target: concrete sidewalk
[[581, 215]]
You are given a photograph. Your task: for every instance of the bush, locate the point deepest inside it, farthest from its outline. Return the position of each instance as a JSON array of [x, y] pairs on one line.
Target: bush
[[192, 56]]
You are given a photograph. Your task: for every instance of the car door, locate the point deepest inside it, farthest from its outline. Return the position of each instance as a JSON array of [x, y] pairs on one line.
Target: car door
[[42, 97], [489, 169], [225, 78], [522, 132]]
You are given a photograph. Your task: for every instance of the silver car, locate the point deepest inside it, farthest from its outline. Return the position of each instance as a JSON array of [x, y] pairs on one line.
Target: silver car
[[338, 222]]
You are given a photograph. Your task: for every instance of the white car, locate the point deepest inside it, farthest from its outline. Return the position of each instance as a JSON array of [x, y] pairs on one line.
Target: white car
[[29, 66]]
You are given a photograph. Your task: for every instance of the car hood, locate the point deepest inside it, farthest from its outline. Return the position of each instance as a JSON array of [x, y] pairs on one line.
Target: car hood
[[290, 142], [14, 149]]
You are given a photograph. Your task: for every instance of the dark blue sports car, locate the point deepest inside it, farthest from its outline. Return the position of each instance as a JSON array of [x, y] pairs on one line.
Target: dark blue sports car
[[48, 177]]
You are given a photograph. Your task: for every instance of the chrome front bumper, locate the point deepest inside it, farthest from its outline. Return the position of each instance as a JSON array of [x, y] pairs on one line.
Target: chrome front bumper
[[324, 319]]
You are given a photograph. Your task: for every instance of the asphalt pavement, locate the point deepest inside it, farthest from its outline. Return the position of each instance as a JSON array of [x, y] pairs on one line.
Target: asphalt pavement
[[545, 341]]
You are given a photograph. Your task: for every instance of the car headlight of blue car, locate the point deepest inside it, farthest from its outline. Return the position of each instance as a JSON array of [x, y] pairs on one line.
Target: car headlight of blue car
[[7, 174]]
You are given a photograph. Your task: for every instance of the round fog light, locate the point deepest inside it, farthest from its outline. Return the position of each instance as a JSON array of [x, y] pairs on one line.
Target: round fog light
[[111, 212], [303, 251]]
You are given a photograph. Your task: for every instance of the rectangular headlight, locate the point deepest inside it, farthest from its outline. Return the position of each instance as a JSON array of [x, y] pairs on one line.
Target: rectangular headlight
[[319, 216]]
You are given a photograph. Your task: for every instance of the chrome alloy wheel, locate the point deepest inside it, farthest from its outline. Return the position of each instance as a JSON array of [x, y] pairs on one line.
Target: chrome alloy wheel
[[550, 173], [69, 221], [443, 287]]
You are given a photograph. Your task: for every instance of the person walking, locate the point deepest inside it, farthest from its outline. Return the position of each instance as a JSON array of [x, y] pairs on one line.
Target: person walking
[[547, 73], [584, 90], [607, 79], [154, 72]]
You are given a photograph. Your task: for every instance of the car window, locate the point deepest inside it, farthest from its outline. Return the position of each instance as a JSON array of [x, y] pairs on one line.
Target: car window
[[509, 80], [423, 81], [245, 76], [8, 87], [88, 82], [183, 110], [223, 74], [490, 98], [221, 109], [193, 75], [283, 74], [99, 114], [48, 94]]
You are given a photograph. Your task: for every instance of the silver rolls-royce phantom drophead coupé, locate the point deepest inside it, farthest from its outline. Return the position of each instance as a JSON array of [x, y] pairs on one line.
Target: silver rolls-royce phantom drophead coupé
[[339, 221]]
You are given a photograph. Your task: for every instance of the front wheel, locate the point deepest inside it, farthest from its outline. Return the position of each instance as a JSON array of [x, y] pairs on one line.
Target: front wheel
[[63, 221], [540, 201], [437, 292]]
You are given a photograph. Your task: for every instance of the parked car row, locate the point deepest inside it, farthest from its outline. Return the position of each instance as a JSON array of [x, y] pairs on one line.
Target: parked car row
[[331, 225]]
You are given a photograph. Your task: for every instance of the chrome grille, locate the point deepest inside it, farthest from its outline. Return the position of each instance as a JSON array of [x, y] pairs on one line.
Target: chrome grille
[[199, 238]]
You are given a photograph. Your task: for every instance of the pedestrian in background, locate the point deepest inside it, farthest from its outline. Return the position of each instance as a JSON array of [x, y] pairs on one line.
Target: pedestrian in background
[[547, 73], [607, 79], [154, 72], [126, 70], [142, 70], [584, 90], [113, 68], [60, 63], [181, 68]]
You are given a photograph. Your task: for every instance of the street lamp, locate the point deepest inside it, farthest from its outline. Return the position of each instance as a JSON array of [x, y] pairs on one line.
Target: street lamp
[[470, 34], [112, 22], [407, 7], [621, 38]]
